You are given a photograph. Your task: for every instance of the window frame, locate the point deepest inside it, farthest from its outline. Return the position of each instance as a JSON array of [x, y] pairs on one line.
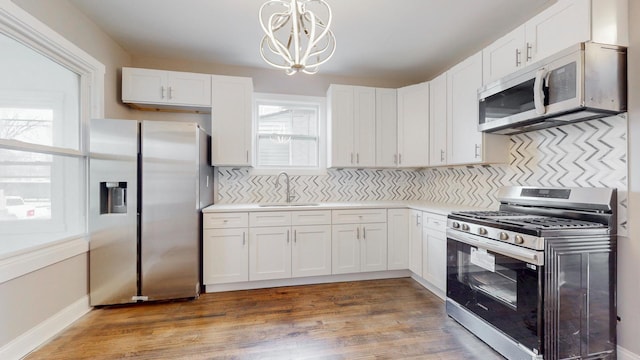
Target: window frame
[[316, 101], [21, 26]]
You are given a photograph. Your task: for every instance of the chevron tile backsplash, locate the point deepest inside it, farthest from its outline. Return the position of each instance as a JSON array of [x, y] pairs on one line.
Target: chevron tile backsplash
[[591, 153]]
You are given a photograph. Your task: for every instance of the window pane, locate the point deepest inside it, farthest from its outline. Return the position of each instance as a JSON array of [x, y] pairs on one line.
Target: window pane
[[40, 198], [39, 98], [305, 152], [287, 135]]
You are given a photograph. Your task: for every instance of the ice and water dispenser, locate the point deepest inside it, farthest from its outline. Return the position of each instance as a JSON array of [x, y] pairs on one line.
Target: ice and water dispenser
[[113, 197]]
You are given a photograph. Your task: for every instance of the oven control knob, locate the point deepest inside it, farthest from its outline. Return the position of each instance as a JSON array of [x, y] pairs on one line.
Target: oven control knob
[[455, 225], [482, 231], [504, 236], [519, 239], [465, 227]]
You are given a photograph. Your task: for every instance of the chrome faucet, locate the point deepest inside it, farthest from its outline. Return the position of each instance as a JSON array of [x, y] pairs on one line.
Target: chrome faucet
[[286, 176]]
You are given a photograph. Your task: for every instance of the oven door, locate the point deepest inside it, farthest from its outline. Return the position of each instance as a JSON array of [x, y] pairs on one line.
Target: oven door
[[500, 285]]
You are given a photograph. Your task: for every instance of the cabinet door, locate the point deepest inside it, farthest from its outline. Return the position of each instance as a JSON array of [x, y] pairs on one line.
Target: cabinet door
[[225, 256], [413, 125], [386, 128], [464, 140], [398, 239], [373, 247], [345, 249], [504, 56], [438, 121], [269, 253], [188, 88], [144, 86], [341, 126], [365, 126], [415, 242], [231, 99], [563, 24], [434, 257], [311, 251]]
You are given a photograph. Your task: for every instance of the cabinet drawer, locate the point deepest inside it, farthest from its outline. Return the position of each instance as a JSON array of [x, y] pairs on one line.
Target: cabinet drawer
[[225, 220], [359, 216], [317, 217], [270, 218], [435, 222]]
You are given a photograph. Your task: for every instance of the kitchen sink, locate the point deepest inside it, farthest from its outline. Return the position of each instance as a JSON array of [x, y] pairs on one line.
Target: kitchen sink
[[287, 204]]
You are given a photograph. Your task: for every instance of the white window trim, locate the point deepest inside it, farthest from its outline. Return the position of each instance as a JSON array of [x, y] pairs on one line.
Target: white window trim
[[22, 26], [322, 134]]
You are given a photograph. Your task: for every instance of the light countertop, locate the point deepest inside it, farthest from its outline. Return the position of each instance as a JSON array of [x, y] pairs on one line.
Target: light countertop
[[433, 207]]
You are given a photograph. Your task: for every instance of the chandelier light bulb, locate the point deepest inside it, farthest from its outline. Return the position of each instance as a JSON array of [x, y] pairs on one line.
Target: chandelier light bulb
[[296, 38]]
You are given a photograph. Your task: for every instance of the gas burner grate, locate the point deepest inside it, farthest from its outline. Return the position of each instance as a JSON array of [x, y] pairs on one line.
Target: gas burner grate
[[488, 214], [552, 223]]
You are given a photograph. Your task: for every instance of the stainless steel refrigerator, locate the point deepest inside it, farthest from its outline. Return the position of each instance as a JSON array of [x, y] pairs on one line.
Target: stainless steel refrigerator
[[149, 181]]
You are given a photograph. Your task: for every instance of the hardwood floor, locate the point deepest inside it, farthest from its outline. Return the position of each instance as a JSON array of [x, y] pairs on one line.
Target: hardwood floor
[[381, 319]]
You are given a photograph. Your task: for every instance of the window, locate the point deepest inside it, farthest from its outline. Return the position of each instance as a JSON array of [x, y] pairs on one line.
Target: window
[[43, 106], [288, 132]]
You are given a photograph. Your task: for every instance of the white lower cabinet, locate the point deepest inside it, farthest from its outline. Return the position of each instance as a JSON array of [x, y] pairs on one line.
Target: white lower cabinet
[[311, 251], [269, 253], [225, 248], [415, 241], [397, 239], [434, 247], [289, 244], [358, 246]]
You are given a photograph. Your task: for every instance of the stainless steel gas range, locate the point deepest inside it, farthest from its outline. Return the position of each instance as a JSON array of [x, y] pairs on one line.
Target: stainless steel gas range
[[536, 279]]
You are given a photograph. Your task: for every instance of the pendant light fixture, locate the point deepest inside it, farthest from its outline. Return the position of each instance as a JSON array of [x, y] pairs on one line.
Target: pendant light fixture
[[296, 39]]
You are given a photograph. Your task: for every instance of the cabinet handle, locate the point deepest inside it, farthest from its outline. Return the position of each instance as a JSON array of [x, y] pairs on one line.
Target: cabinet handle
[[170, 92], [529, 55], [358, 233], [162, 92], [351, 158], [399, 159], [295, 236], [287, 236], [364, 233], [417, 219], [247, 155], [518, 62], [395, 159], [477, 151], [244, 238], [357, 158], [441, 155]]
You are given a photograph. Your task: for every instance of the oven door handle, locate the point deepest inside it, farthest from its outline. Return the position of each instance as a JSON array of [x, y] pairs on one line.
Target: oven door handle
[[530, 256]]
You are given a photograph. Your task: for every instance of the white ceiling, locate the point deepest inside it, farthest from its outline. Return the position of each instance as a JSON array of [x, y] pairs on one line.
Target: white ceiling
[[375, 38]]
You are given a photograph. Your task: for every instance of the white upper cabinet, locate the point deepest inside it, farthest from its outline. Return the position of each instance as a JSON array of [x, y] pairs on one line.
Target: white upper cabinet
[[166, 89], [438, 121], [504, 55], [465, 144], [231, 102], [565, 23], [386, 127], [413, 125], [352, 126]]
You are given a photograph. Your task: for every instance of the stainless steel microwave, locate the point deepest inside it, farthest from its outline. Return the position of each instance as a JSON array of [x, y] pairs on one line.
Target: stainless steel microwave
[[586, 81]]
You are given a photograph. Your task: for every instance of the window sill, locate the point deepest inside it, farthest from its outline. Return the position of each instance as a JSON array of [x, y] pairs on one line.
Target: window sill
[[20, 263]]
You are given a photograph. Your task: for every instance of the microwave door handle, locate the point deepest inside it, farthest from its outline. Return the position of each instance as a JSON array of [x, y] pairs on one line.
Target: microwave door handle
[[538, 91]]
